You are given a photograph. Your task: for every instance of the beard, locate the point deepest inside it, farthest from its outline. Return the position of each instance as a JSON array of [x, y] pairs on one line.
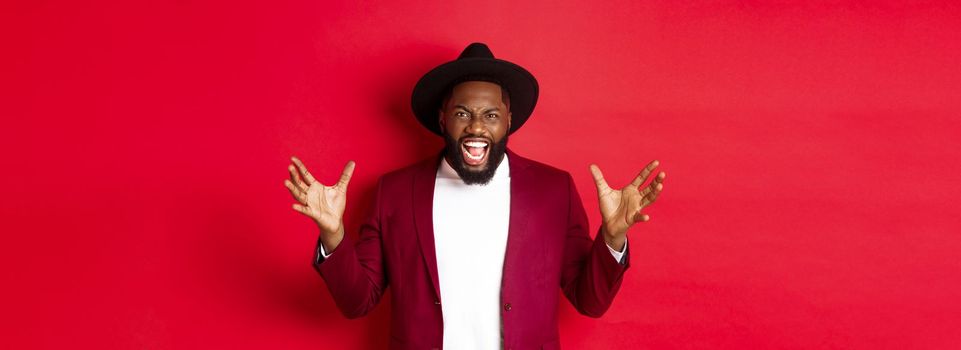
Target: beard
[[471, 177]]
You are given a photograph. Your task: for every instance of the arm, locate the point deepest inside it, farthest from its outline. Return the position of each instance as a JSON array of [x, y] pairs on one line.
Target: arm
[[353, 271], [591, 282], [591, 275]]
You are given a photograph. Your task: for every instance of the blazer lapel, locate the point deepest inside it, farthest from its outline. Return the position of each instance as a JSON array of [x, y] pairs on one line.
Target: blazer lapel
[[423, 204], [423, 208], [521, 200]]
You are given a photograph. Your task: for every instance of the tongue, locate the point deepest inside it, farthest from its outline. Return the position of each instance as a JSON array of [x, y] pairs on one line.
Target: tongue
[[476, 151]]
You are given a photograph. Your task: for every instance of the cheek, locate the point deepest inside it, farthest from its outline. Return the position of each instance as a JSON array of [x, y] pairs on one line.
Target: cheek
[[452, 128], [502, 126]]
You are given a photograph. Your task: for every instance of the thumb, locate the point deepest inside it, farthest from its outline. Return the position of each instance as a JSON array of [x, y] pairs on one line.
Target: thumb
[[598, 177], [345, 176]]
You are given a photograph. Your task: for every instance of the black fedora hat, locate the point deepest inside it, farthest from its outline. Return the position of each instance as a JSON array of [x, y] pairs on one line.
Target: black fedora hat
[[476, 60]]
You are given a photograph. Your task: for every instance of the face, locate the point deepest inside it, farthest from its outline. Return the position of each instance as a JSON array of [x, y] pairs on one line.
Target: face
[[475, 121]]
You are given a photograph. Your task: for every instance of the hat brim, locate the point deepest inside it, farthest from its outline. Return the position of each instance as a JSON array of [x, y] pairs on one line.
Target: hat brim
[[429, 90]]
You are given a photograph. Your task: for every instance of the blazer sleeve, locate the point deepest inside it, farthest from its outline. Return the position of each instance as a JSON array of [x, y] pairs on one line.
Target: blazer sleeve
[[354, 272], [591, 276]]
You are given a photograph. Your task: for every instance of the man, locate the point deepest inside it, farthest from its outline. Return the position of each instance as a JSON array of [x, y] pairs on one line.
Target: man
[[476, 241]]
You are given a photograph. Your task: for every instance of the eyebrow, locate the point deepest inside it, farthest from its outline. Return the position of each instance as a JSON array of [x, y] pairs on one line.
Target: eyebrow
[[494, 109]]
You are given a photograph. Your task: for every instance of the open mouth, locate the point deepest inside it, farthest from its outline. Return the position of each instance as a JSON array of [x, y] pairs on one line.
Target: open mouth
[[475, 150]]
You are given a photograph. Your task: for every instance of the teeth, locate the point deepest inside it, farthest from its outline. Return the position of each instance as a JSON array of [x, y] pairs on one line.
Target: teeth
[[475, 144]]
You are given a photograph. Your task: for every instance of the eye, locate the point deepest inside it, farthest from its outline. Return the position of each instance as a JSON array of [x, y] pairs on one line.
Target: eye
[[460, 115], [492, 116]]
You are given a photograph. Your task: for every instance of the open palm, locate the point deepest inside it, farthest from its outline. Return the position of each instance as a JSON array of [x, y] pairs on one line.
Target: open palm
[[620, 209], [324, 204]]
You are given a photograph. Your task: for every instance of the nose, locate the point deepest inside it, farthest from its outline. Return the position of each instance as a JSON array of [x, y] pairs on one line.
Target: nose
[[476, 126]]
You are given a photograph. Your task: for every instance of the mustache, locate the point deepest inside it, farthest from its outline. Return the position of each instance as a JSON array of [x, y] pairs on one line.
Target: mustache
[[462, 138], [453, 152]]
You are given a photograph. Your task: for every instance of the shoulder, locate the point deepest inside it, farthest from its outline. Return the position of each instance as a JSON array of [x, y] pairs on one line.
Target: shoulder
[[405, 176], [538, 170]]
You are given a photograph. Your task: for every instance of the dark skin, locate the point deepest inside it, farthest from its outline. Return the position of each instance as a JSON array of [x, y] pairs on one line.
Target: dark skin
[[475, 112]]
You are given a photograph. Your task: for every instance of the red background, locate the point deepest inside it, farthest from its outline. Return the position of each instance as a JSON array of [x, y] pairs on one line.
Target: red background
[[812, 154]]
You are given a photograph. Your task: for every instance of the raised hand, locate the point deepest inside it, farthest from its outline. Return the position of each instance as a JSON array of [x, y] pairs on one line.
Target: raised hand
[[324, 204], [620, 209]]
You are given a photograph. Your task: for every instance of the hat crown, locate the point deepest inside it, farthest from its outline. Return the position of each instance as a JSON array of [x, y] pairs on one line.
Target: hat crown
[[476, 50], [476, 60]]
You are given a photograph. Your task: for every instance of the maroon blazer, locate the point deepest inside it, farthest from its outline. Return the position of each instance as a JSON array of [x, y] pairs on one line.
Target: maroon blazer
[[548, 246]]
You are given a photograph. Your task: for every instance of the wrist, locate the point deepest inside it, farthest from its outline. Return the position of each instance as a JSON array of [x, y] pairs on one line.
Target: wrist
[[612, 233], [331, 240], [614, 239]]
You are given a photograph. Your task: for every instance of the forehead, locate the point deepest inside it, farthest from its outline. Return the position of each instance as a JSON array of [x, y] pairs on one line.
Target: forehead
[[477, 92]]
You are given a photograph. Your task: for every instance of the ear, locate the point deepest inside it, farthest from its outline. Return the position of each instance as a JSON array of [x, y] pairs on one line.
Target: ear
[[441, 120]]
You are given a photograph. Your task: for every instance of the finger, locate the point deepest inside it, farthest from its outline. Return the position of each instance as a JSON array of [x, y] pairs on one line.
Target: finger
[[646, 190], [345, 176], [657, 184], [598, 177], [301, 209], [651, 187], [303, 171], [295, 178], [653, 192], [650, 192], [641, 217], [658, 178], [642, 177], [299, 195]]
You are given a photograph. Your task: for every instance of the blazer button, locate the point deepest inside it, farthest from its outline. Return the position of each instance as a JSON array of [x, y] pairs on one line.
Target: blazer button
[[436, 302], [507, 307]]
